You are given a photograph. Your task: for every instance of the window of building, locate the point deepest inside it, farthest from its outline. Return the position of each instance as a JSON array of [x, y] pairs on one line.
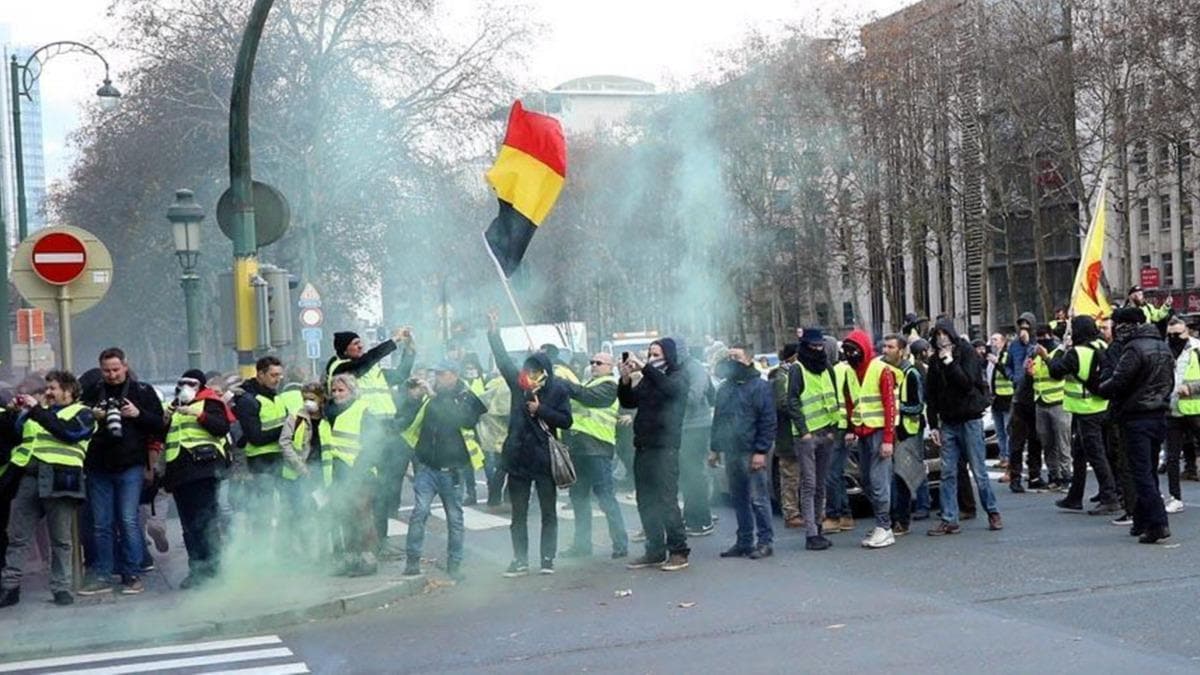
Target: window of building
[[1139, 157], [1168, 271], [1164, 158], [1185, 156], [1185, 214], [1189, 268], [1164, 212], [1145, 262], [1144, 215], [847, 313]]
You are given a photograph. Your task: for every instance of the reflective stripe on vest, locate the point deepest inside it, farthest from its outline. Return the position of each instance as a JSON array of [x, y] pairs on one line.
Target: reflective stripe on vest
[[1046, 390], [869, 410], [818, 401], [911, 423], [343, 439], [1078, 400], [599, 423], [37, 443], [185, 433], [1001, 385], [847, 387], [1190, 405], [413, 433], [271, 414]]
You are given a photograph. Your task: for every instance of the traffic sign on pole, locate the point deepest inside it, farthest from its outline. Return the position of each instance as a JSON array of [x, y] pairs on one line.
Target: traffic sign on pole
[[309, 297], [314, 349], [312, 334], [59, 258], [311, 317]]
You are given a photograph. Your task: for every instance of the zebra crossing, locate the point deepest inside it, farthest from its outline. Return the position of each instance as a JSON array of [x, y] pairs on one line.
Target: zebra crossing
[[261, 655]]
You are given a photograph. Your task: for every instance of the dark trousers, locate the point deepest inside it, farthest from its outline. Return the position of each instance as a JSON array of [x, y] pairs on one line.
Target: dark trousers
[[693, 478], [392, 467], [1118, 461], [594, 474], [1180, 431], [1144, 438], [519, 492], [196, 502], [902, 502], [1088, 447], [1023, 442], [8, 489], [656, 479], [495, 478], [963, 492]]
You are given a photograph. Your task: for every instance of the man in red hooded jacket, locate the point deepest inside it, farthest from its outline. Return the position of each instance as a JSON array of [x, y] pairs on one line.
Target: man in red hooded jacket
[[874, 416]]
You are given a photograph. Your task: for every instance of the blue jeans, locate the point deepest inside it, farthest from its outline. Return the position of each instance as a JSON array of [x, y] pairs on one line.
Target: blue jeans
[[923, 500], [113, 499], [595, 474], [876, 479], [837, 504], [1000, 419], [958, 439], [427, 483], [750, 492]]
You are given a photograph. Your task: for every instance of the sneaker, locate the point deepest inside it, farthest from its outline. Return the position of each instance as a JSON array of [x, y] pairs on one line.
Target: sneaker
[[697, 531], [879, 538], [576, 552], [10, 597], [148, 566], [132, 586], [847, 523], [1105, 509], [1067, 505], [943, 528], [1122, 520], [1037, 484], [638, 536], [158, 535], [63, 598], [831, 526], [817, 543], [1095, 499], [676, 562], [1153, 535], [516, 569], [994, 522], [547, 566], [735, 551], [411, 570], [899, 529], [920, 514], [1172, 505], [794, 523], [645, 561], [95, 587], [1016, 487], [762, 551]]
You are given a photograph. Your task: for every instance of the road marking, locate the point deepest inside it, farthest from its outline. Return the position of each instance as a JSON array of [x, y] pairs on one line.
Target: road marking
[[190, 662], [397, 528], [59, 661], [473, 518], [285, 669]]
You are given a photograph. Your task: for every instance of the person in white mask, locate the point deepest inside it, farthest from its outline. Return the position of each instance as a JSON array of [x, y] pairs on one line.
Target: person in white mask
[[301, 448]]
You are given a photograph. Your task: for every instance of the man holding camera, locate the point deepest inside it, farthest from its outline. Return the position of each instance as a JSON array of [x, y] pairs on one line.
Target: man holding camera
[[129, 417]]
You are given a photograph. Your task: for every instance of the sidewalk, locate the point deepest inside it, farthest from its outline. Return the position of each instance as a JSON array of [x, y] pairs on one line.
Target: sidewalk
[[247, 598]]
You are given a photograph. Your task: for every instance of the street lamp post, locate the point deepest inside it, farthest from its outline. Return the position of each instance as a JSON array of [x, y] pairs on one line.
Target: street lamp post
[[185, 216]]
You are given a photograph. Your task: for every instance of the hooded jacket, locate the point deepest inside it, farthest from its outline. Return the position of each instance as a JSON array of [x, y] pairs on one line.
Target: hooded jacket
[[1018, 351], [526, 451], [1083, 332], [1138, 383], [744, 420], [660, 399], [887, 384], [955, 392], [440, 444]]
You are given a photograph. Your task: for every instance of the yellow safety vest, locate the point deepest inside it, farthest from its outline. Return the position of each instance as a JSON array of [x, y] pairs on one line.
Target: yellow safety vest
[[297, 441], [1046, 390], [342, 440], [1078, 400], [565, 373], [910, 422], [869, 410], [1189, 405], [413, 433], [818, 401], [847, 388], [1001, 385], [292, 400], [372, 388], [599, 423], [37, 443], [186, 433], [271, 414]]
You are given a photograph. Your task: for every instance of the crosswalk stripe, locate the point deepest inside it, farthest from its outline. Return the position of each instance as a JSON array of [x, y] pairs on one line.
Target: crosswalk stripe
[[474, 519], [190, 662], [397, 528], [60, 661], [285, 669]]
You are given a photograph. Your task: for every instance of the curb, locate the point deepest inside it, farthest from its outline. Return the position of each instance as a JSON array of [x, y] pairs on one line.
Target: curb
[[357, 603]]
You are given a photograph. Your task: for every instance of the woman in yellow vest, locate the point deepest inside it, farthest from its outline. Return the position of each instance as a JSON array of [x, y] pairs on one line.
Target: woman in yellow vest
[[302, 470], [1183, 420], [345, 434], [53, 446], [197, 458]]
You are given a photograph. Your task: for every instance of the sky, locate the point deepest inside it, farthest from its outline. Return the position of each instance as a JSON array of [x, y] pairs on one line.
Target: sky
[[662, 41]]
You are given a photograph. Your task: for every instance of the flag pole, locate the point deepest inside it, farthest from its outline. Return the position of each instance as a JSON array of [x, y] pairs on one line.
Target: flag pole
[[508, 290]]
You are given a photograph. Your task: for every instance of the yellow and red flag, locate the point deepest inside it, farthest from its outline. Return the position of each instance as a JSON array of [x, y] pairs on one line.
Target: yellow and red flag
[[1089, 295], [528, 176]]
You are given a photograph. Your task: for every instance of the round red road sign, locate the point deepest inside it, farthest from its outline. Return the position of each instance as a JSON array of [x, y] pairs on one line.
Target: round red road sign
[[311, 317], [59, 258]]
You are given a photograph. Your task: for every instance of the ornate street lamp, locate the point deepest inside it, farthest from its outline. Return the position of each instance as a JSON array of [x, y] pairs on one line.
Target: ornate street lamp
[[185, 216]]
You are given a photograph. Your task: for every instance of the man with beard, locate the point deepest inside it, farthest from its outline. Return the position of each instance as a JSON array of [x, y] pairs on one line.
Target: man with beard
[[1139, 388], [813, 410], [1077, 365]]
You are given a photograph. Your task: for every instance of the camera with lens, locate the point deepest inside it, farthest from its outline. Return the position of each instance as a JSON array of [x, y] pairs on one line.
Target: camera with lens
[[112, 416]]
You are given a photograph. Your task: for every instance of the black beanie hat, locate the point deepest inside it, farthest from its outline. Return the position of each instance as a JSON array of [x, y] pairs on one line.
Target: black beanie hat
[[1128, 314], [195, 374], [342, 340]]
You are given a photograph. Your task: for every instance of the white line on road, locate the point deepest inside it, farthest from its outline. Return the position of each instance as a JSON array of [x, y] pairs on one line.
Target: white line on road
[[190, 662], [397, 528], [285, 669], [59, 661]]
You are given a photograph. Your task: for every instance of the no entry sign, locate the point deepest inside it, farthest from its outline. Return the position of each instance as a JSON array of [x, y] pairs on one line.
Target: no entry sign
[[59, 258]]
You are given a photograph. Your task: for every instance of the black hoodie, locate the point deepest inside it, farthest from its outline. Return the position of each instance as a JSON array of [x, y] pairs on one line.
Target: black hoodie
[[526, 451], [660, 399], [954, 392], [1083, 332]]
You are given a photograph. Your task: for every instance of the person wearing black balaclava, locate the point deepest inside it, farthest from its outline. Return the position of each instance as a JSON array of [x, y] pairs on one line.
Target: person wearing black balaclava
[[813, 407], [1183, 422], [1053, 423], [1139, 387]]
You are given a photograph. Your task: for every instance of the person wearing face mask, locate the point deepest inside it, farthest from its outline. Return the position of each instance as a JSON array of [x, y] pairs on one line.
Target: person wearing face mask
[[196, 457], [874, 417], [1053, 423], [838, 517], [1183, 422], [1138, 386], [813, 407], [348, 434], [300, 444]]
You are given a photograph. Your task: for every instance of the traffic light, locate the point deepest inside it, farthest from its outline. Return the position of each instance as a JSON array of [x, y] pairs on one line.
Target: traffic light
[[272, 307]]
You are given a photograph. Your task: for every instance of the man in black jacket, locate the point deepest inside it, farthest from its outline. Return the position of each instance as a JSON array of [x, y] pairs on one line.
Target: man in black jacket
[[660, 398], [540, 405], [441, 454], [956, 397], [261, 413], [1139, 386], [129, 417]]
